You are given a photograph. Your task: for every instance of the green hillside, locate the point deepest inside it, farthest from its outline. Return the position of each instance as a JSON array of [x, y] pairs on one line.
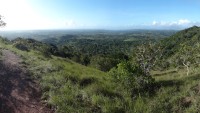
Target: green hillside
[[71, 87], [183, 44]]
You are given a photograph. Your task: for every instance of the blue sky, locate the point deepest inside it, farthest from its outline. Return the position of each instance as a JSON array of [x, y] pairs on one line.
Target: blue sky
[[101, 14]]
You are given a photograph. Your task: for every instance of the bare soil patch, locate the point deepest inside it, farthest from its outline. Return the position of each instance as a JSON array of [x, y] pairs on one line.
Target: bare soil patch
[[18, 93]]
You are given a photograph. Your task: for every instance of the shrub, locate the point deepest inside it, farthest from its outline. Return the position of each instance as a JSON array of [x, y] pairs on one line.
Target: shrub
[[132, 77], [21, 47]]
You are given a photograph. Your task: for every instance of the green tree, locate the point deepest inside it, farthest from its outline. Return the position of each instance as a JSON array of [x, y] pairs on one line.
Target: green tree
[[187, 55], [147, 55], [132, 77]]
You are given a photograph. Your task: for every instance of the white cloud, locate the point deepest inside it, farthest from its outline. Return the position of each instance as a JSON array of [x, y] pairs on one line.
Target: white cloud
[[181, 22]]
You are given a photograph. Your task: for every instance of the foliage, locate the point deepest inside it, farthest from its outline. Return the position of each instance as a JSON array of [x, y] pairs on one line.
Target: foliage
[[132, 77], [103, 50], [105, 63], [182, 46], [147, 55], [71, 87], [31, 44]]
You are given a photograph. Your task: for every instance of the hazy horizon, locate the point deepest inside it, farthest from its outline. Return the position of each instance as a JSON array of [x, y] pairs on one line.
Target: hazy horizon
[[92, 29]]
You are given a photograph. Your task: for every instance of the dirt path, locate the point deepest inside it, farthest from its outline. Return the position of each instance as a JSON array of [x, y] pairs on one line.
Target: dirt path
[[18, 93]]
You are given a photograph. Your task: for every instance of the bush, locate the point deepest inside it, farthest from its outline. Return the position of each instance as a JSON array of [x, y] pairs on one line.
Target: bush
[[132, 77], [21, 47]]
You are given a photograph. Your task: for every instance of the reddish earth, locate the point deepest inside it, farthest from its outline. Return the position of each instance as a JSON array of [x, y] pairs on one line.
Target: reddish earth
[[18, 93]]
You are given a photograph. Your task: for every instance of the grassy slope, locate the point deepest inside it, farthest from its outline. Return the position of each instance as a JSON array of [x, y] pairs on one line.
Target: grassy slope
[[178, 92], [70, 87]]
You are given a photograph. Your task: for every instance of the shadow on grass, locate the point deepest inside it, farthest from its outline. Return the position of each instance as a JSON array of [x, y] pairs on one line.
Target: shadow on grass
[[174, 84], [164, 84], [192, 78], [169, 83], [152, 89]]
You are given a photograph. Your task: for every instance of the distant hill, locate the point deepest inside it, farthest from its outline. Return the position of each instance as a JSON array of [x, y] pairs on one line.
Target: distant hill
[[185, 39], [188, 36]]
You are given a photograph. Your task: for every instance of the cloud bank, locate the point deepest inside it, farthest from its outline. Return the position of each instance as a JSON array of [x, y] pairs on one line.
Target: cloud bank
[[179, 24]]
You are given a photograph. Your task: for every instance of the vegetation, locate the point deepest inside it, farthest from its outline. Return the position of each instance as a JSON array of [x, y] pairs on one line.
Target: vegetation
[[71, 87], [103, 50], [148, 76], [181, 48], [133, 78]]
